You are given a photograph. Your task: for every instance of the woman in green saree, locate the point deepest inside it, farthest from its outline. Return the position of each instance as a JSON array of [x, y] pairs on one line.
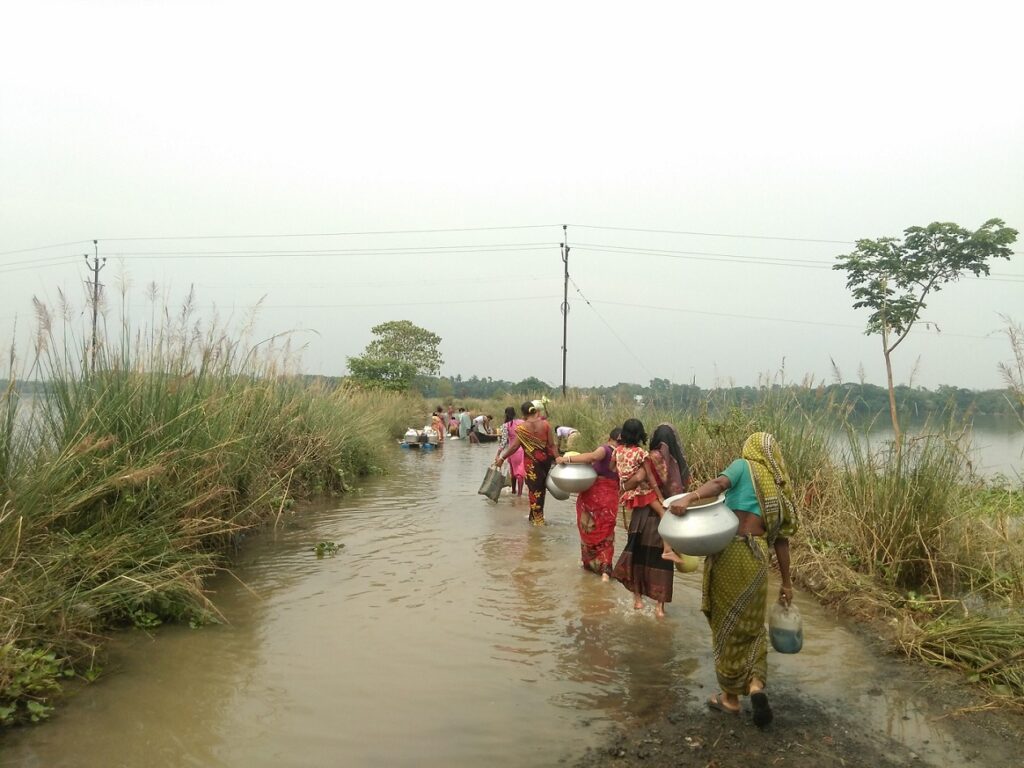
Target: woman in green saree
[[758, 489]]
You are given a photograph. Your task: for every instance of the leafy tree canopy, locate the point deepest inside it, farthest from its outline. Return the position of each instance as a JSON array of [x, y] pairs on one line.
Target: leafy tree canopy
[[893, 278], [381, 373], [406, 342]]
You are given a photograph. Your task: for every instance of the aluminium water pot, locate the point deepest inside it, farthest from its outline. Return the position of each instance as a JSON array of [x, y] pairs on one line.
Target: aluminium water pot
[[554, 490], [705, 529], [573, 478]]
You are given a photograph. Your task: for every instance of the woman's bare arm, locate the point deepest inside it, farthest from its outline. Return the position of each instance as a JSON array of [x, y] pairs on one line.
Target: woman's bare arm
[[512, 447], [709, 490], [782, 555], [584, 458], [634, 480]]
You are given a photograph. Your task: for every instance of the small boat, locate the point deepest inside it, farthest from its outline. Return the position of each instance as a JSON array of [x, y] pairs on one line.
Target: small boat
[[485, 438], [420, 438]]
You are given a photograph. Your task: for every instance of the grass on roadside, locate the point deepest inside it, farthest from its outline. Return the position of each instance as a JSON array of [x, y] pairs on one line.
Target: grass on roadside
[[124, 484]]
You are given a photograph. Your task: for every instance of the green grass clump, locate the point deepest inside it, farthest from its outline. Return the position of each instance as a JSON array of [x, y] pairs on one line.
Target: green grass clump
[[127, 481]]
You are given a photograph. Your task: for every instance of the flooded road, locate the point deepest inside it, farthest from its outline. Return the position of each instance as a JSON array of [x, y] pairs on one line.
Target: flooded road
[[446, 631]]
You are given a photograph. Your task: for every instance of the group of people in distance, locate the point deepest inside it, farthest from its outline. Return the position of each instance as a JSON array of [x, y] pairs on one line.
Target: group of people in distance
[[460, 424], [635, 477]]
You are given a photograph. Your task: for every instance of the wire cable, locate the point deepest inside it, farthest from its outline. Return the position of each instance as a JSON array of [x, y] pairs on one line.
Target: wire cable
[[45, 247], [330, 234], [408, 303], [768, 261], [409, 251], [706, 256], [69, 262], [611, 329], [714, 234], [775, 319]]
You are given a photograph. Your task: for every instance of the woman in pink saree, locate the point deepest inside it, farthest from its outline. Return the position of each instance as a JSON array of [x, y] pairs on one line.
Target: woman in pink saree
[[516, 462]]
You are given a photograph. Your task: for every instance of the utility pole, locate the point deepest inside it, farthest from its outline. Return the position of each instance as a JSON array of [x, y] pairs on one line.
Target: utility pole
[[565, 302], [96, 266]]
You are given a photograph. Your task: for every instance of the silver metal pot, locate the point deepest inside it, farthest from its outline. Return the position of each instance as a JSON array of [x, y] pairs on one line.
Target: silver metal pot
[[705, 529], [573, 478], [554, 490]]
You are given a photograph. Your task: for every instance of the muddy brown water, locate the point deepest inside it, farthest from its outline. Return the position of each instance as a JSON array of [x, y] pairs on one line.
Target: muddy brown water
[[446, 632]]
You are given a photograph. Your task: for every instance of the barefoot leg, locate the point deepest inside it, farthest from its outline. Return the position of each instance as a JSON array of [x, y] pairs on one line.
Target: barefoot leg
[[668, 554]]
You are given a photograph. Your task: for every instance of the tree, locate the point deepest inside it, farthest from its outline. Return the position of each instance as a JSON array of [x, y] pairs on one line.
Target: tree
[[893, 278], [381, 373], [407, 342], [400, 352], [531, 385]]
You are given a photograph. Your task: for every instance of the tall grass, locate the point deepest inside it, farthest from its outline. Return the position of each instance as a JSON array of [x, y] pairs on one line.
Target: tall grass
[[130, 477], [902, 506]]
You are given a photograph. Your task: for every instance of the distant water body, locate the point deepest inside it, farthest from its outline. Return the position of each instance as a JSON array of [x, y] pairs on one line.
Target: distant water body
[[997, 443]]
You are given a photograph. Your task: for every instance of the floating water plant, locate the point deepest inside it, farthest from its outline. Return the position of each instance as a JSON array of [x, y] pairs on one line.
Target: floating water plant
[[326, 548]]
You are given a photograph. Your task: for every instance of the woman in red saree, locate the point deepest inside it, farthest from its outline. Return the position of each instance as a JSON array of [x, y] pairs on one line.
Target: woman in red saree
[[597, 508], [537, 439]]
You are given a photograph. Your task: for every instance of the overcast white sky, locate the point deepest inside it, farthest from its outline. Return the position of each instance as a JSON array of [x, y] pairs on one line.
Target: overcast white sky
[[177, 120]]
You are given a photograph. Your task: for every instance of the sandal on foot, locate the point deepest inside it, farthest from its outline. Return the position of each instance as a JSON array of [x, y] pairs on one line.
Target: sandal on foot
[[762, 710], [716, 702]]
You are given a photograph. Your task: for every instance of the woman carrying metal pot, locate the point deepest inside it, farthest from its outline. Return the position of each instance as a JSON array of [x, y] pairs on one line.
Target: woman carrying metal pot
[[758, 489], [597, 508]]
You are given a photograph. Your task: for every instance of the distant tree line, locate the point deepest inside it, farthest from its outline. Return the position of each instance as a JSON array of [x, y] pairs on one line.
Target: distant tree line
[[859, 400], [865, 400]]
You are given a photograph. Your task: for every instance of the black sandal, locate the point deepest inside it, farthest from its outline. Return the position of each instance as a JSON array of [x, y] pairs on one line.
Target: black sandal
[[762, 709]]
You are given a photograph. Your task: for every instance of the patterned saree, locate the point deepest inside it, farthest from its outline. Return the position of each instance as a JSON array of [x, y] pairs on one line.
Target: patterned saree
[[597, 509], [735, 585], [537, 460], [640, 568]]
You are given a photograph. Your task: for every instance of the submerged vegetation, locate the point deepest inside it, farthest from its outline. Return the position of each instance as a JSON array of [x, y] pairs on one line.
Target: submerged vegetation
[[123, 485]]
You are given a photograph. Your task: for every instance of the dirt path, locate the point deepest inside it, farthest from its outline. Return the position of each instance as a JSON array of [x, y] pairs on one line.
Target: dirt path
[[809, 733]]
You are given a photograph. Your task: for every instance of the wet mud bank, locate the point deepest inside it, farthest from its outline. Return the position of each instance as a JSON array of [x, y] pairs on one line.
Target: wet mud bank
[[952, 725]]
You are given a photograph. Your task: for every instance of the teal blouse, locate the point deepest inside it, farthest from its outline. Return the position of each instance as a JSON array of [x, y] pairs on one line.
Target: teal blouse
[[741, 495]]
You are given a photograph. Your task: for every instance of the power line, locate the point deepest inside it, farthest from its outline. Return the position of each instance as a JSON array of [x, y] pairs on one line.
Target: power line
[[439, 230], [724, 234], [716, 234], [66, 261], [706, 256], [393, 284], [407, 251], [44, 247], [774, 319], [408, 303], [768, 261], [330, 234], [611, 329]]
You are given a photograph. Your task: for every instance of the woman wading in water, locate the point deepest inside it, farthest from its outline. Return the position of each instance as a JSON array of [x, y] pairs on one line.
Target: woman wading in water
[[515, 459], [645, 566], [758, 489], [598, 507], [537, 439]]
